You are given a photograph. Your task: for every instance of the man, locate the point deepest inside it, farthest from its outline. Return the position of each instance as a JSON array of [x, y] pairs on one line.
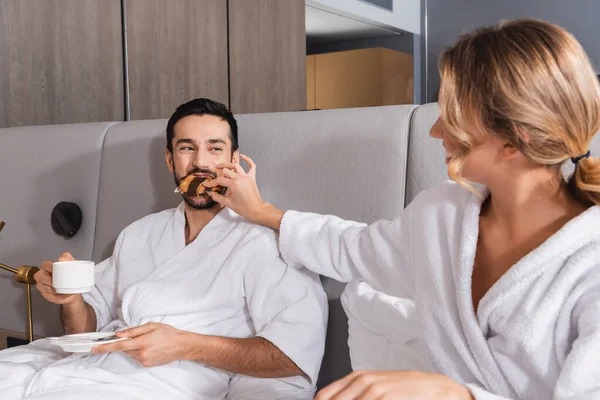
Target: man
[[211, 310]]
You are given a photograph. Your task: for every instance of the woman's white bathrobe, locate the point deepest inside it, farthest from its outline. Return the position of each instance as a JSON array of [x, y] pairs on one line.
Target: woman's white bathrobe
[[536, 333]]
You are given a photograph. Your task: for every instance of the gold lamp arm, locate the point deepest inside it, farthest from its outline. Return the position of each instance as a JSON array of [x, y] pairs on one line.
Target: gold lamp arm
[[24, 274], [7, 268]]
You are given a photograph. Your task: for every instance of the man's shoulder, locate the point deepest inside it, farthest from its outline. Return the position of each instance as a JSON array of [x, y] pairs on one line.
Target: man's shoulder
[[150, 220], [252, 230]]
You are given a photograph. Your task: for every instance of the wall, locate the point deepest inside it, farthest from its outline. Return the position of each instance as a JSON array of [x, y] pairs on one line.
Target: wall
[[406, 15], [446, 19]]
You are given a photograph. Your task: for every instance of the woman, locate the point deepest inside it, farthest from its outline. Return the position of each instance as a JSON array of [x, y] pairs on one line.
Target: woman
[[505, 272]]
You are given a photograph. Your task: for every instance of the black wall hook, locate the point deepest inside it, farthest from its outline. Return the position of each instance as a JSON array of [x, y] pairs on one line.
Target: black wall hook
[[66, 219]]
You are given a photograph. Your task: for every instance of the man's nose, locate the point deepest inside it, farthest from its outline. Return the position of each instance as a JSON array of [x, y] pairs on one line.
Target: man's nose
[[200, 159]]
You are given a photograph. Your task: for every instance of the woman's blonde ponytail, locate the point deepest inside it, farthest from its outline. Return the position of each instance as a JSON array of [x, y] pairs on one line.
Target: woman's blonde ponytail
[[585, 181]]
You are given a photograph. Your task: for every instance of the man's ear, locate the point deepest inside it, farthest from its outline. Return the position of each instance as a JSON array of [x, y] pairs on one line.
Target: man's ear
[[169, 159], [235, 157]]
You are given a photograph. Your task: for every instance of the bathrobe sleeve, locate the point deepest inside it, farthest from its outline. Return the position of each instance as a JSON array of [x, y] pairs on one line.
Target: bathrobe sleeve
[[288, 308], [379, 254], [103, 296], [580, 375]]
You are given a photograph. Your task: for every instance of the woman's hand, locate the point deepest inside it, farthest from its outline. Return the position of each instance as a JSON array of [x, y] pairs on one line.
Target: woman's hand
[[242, 194], [397, 385]]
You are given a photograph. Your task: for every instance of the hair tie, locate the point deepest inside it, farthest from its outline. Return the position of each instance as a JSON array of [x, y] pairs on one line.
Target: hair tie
[[577, 159]]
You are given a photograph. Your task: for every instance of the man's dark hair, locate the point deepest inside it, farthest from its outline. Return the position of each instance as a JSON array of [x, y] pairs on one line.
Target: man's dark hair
[[203, 107]]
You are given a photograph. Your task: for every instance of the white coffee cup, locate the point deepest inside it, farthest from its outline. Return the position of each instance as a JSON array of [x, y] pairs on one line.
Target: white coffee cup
[[70, 277]]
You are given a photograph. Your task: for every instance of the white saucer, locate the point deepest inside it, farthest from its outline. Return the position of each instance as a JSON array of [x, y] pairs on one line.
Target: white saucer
[[76, 343]]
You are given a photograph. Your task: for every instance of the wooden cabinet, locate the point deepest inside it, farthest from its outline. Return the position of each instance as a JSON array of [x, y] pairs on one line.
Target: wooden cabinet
[[65, 61], [177, 51], [267, 51], [359, 78], [60, 61]]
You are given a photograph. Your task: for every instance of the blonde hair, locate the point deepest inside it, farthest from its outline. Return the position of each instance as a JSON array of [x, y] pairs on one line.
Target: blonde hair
[[530, 83]]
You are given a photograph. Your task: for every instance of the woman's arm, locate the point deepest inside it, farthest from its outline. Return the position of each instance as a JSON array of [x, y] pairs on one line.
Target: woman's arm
[[379, 254]]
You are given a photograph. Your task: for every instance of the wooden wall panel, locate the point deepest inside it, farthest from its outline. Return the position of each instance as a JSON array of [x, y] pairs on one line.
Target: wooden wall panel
[[177, 51], [267, 50], [60, 61]]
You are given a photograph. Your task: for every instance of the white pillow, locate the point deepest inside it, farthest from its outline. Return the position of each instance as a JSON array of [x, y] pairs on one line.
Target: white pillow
[[382, 330]]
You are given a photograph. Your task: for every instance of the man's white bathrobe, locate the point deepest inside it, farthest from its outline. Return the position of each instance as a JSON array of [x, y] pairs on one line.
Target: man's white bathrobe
[[230, 281], [536, 332]]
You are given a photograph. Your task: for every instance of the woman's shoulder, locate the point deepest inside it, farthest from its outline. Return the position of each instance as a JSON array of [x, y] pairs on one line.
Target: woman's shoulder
[[584, 234]]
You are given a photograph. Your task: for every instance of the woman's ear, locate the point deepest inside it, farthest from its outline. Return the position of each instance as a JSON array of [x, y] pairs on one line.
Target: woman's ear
[[509, 151]]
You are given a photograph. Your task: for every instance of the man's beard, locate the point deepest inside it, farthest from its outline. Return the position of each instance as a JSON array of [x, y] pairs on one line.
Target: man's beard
[[202, 202]]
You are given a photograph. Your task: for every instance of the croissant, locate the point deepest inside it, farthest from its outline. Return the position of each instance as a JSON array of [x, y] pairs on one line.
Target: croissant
[[193, 185]]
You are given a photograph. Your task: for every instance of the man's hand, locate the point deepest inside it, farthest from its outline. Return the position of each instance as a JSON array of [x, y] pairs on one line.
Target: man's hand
[[397, 385], [151, 344], [242, 194], [43, 279]]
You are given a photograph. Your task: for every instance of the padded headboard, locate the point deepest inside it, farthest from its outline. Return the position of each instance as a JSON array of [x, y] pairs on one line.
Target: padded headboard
[[134, 180], [42, 166]]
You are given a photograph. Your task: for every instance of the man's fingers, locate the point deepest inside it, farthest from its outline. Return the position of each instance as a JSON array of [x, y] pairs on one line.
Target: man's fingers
[[332, 389], [42, 288], [66, 257], [46, 266], [137, 331], [135, 354], [123, 345], [43, 277], [43, 282], [251, 165]]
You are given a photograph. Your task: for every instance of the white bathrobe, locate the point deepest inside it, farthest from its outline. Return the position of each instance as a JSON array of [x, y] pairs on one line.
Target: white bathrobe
[[536, 333], [231, 281]]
